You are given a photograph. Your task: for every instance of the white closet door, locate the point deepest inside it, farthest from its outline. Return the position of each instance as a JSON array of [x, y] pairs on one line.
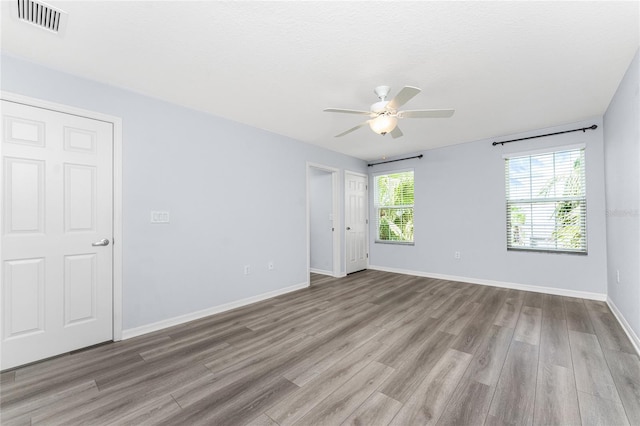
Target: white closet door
[[356, 222], [57, 195]]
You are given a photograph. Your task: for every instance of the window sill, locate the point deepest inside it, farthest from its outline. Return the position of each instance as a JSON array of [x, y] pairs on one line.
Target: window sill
[[522, 250], [399, 243]]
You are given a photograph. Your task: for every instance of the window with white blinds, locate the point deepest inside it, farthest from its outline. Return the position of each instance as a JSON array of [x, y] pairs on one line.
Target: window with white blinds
[[546, 202], [394, 197]]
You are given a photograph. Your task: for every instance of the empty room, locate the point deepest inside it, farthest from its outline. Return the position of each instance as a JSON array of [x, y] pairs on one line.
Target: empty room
[[319, 213]]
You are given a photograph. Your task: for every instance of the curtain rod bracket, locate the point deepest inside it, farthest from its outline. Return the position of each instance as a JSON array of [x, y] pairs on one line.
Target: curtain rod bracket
[[584, 130]]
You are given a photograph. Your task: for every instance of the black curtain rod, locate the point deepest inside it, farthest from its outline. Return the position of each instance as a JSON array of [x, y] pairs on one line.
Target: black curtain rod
[[584, 129], [393, 161]]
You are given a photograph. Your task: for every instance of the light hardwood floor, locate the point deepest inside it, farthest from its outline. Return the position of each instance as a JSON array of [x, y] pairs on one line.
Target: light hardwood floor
[[374, 348]]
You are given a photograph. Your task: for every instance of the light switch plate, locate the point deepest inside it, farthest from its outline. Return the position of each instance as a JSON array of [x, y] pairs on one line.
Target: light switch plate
[[159, 217]]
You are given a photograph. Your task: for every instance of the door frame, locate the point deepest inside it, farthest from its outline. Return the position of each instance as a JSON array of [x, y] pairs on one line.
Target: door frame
[[116, 122], [335, 213], [366, 234]]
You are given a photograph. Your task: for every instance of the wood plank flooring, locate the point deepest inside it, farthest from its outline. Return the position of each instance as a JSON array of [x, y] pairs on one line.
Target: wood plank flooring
[[373, 348]]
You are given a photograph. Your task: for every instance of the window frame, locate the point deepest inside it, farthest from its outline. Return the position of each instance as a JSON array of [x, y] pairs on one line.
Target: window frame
[[540, 200], [378, 207]]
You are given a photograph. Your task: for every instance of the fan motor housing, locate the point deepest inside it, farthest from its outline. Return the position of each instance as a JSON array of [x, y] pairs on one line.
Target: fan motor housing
[[379, 106], [382, 92]]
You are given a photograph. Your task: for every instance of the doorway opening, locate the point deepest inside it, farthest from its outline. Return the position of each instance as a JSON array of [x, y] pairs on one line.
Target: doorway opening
[[323, 221]]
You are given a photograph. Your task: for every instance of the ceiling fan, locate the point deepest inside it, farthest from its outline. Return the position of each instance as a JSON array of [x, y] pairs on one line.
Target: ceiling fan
[[384, 114]]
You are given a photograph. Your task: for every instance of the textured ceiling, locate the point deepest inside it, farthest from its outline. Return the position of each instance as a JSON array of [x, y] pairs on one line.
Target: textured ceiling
[[505, 67]]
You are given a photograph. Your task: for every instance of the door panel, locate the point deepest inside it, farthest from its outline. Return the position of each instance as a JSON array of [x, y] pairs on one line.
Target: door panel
[[356, 222], [23, 297], [23, 131], [57, 200], [79, 140], [79, 197], [24, 196], [79, 288]]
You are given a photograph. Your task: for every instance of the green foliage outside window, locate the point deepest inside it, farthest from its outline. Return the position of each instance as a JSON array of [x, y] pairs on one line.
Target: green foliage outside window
[[546, 202], [394, 202], [569, 214]]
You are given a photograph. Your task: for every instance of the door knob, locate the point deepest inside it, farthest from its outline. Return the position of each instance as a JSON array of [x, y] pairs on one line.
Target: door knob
[[348, 228], [102, 242]]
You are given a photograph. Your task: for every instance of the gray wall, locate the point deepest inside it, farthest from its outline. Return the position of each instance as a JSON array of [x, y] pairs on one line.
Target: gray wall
[[622, 168], [320, 224], [460, 206], [236, 194]]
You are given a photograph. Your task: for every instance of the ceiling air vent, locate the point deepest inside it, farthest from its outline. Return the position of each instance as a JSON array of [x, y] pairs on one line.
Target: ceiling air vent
[[41, 14]]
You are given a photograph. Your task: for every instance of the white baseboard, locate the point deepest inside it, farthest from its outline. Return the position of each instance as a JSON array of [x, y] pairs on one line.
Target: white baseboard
[[526, 287], [170, 322], [625, 325], [328, 273], [321, 272]]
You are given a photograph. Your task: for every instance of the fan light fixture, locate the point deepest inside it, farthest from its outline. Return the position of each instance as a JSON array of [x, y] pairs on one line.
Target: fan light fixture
[[383, 115], [383, 124]]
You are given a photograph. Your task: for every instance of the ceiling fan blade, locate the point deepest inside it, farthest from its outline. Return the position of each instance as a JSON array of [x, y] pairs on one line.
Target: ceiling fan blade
[[347, 111], [403, 97], [396, 132], [427, 113], [352, 129]]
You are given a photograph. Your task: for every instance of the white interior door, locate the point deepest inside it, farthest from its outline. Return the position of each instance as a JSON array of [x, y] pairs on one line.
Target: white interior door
[[356, 208], [57, 195]]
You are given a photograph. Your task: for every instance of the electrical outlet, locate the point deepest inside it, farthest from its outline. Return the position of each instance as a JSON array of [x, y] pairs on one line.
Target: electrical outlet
[[456, 255], [247, 269], [271, 266], [618, 275]]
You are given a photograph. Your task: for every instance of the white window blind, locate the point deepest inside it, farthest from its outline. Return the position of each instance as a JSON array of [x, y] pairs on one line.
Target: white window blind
[[546, 202], [394, 197]]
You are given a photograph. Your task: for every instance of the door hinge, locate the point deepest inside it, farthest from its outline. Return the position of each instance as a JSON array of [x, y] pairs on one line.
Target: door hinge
[[366, 221], [367, 255]]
